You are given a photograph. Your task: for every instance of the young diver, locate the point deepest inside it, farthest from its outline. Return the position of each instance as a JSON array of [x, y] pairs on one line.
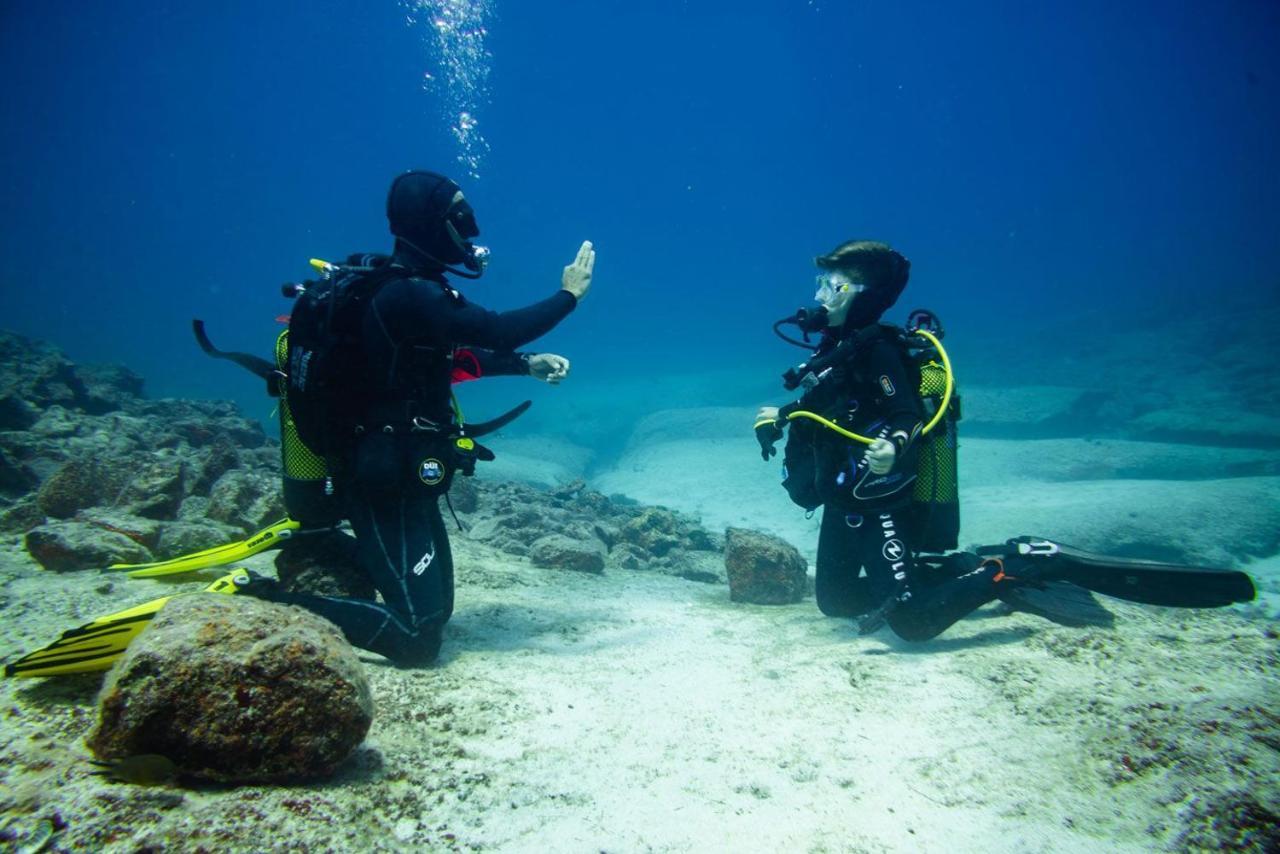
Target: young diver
[[861, 444]]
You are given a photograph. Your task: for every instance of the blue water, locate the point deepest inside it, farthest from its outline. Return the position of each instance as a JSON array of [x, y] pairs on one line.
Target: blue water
[[170, 160]]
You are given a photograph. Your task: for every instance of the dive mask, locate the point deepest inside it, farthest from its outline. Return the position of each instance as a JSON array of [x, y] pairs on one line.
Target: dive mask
[[832, 284], [460, 225]]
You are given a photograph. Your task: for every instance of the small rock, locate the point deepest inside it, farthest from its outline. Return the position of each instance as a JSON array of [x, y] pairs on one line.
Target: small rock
[[656, 530], [323, 563], [187, 536], [627, 556], [108, 388], [195, 508], [464, 495], [763, 569], [488, 529], [155, 491], [21, 517], [561, 552], [212, 463], [247, 499], [66, 546], [16, 478], [236, 690], [137, 528]]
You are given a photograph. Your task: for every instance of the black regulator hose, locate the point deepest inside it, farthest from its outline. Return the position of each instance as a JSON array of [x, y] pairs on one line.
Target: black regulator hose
[[809, 320]]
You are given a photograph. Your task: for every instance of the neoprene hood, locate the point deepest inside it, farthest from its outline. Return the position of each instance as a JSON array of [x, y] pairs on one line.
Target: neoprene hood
[[427, 211], [881, 268]]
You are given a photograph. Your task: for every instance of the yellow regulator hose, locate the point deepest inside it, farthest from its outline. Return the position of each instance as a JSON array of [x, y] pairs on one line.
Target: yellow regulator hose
[[933, 422]]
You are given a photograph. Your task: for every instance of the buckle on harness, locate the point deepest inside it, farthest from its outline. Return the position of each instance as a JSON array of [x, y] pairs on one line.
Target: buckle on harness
[[424, 425], [1038, 548]]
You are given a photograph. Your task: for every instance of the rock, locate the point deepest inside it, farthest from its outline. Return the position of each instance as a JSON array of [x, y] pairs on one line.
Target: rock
[[57, 422], [247, 499], [236, 690], [155, 491], [33, 376], [763, 569], [464, 495], [1190, 425], [184, 537], [194, 509], [489, 529], [656, 530], [107, 388], [561, 552], [73, 487], [65, 546], [82, 482], [20, 517], [627, 556], [137, 528], [700, 566], [1197, 523], [199, 432], [1030, 412], [210, 464], [324, 563], [16, 478]]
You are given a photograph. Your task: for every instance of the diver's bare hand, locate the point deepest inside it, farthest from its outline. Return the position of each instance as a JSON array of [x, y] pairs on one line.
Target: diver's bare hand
[[880, 456], [577, 276], [548, 367]]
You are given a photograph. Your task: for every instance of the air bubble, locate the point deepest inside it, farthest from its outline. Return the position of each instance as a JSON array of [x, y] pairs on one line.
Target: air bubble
[[460, 61]]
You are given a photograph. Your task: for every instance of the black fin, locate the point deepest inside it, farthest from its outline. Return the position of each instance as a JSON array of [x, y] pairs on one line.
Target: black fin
[[253, 364], [482, 428], [1144, 581], [1060, 602]]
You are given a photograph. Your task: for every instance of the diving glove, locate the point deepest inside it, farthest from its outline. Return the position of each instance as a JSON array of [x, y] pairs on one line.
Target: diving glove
[[767, 434], [465, 454]]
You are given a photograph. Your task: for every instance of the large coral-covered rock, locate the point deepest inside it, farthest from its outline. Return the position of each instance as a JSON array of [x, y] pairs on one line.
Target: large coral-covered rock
[[78, 484], [236, 690], [763, 569], [69, 545]]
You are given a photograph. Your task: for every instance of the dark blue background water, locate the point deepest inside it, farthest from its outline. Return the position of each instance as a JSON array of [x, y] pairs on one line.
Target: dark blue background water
[[169, 160]]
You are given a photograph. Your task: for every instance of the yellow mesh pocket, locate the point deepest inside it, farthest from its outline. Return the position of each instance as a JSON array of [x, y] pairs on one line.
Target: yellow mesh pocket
[[933, 380], [300, 462], [936, 480]]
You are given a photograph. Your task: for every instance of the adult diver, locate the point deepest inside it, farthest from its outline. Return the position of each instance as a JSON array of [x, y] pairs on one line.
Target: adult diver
[[392, 434], [370, 430], [871, 439]]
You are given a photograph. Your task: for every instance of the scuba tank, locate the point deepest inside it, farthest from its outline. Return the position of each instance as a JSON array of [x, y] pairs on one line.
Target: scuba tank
[[935, 497]]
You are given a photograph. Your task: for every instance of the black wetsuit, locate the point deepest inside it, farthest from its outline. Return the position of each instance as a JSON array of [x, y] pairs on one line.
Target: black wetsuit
[[410, 336], [866, 521]]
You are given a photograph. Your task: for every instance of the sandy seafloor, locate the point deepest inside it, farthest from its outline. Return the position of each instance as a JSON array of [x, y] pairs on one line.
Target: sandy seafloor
[[642, 712]]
